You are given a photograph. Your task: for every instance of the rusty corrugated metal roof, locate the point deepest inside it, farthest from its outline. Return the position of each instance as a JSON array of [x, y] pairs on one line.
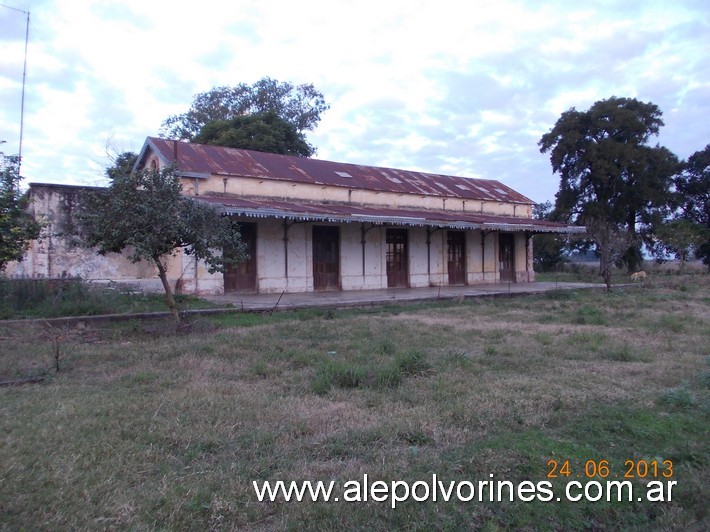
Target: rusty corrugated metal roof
[[201, 160], [342, 213]]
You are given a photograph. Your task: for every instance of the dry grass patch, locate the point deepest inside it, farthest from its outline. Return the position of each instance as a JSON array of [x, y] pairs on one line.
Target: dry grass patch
[[141, 430]]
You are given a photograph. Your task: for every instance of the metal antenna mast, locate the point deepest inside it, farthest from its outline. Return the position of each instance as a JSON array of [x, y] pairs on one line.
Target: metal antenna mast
[[24, 77]]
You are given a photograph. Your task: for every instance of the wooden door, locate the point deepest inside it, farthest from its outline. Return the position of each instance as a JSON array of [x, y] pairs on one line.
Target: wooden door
[[456, 256], [326, 258], [241, 277], [506, 257], [397, 258]]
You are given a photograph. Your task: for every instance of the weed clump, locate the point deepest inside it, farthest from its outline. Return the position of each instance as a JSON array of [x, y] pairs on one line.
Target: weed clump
[[589, 315], [676, 398], [412, 363], [389, 373]]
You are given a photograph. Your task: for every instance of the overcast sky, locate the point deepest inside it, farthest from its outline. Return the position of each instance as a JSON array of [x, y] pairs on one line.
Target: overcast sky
[[455, 87]]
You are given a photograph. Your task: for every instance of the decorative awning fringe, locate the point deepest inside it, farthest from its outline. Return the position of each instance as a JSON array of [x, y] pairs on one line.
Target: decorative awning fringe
[[396, 220]]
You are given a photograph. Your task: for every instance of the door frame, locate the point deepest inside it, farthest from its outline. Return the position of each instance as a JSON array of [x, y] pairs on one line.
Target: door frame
[[506, 257], [397, 254], [454, 240], [327, 235], [234, 277]]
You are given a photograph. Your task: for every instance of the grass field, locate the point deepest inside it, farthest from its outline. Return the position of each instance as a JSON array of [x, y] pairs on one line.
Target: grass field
[[145, 429]]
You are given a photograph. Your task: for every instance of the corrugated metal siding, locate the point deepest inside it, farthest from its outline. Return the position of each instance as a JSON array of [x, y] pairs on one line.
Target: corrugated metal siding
[[203, 160]]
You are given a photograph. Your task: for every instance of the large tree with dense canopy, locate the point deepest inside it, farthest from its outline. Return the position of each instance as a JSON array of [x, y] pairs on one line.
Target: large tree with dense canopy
[[610, 176], [299, 105]]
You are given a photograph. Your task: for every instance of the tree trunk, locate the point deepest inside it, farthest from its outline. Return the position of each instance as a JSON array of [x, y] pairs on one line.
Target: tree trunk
[[631, 255], [607, 279], [605, 264], [169, 299]]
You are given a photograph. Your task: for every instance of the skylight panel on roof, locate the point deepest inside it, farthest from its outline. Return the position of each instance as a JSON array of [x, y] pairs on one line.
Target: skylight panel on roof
[[395, 180], [485, 192], [504, 192], [343, 174], [462, 187]]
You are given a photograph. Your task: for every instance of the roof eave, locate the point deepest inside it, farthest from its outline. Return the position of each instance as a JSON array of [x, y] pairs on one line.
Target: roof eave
[[388, 219]]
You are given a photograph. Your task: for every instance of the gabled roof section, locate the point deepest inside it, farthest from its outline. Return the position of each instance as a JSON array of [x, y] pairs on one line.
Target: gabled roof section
[[167, 156], [200, 160]]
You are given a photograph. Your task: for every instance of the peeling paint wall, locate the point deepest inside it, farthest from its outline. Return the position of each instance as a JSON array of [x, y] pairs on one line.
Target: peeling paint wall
[[284, 250], [54, 255], [426, 267]]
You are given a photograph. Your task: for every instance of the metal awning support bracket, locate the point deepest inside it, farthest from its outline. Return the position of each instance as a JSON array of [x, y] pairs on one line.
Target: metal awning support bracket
[[429, 232], [363, 233], [287, 226], [484, 234], [528, 237]]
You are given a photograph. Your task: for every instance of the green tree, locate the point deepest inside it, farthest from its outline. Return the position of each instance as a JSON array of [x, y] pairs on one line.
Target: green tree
[[146, 215], [17, 226], [547, 247], [608, 172], [681, 238], [301, 106], [266, 132], [122, 164], [692, 185]]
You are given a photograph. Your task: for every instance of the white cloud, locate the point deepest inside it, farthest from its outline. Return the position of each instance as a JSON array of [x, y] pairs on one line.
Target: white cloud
[[417, 84]]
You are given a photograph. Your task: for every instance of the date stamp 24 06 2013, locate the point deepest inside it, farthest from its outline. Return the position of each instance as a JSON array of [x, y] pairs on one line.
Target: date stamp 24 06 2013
[[631, 469]]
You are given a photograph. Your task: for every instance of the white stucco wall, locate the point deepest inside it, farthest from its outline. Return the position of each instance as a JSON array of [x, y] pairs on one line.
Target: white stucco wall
[[424, 269], [486, 271], [270, 258], [351, 258], [439, 265], [52, 256]]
